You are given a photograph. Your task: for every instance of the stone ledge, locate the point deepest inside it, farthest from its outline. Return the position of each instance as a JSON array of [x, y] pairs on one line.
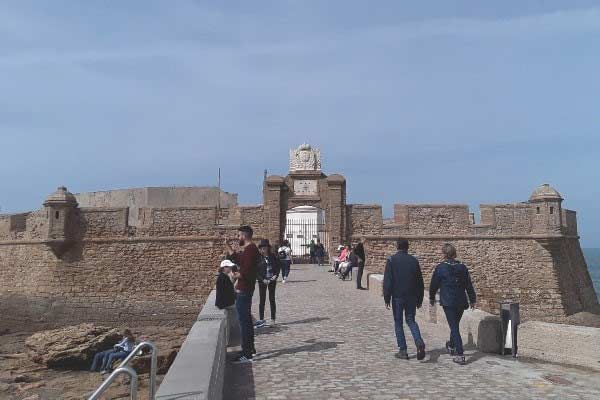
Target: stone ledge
[[198, 371], [565, 344], [199, 368]]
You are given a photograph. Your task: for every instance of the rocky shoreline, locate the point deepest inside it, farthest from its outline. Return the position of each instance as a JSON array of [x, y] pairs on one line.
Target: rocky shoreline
[[54, 364]]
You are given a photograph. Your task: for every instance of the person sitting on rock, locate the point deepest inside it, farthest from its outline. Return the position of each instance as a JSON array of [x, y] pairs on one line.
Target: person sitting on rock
[[118, 352]]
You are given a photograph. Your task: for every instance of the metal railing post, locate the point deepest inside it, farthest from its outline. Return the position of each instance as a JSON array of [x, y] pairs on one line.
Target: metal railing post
[[124, 368], [121, 370]]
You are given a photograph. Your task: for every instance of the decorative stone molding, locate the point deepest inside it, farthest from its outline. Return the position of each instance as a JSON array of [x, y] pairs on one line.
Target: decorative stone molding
[[305, 158]]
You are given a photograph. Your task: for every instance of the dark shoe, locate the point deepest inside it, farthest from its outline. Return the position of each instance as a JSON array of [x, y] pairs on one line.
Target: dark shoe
[[402, 355], [450, 349], [254, 352], [459, 360], [243, 360], [421, 352]]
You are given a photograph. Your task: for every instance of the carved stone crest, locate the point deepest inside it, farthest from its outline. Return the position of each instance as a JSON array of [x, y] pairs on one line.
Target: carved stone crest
[[305, 158]]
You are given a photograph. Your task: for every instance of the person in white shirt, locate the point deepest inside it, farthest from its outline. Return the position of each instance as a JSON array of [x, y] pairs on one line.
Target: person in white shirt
[[118, 352], [285, 256]]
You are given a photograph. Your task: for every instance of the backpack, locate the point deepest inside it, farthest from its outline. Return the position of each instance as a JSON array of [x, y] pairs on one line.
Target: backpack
[[282, 254]]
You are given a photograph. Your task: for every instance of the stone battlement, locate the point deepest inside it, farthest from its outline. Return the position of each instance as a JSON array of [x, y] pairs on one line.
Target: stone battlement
[[67, 263]]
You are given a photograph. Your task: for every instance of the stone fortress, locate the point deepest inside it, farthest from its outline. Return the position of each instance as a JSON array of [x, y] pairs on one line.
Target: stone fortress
[[148, 256]]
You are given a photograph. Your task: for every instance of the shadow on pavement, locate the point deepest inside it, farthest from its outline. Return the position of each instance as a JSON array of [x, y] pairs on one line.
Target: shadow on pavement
[[312, 346], [270, 330], [305, 321], [239, 380], [290, 281], [434, 355]]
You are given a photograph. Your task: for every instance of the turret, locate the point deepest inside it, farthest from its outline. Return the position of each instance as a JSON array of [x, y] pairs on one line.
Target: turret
[[60, 209], [547, 209]]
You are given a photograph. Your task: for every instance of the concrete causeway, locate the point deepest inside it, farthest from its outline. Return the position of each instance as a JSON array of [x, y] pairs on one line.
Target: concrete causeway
[[333, 341]]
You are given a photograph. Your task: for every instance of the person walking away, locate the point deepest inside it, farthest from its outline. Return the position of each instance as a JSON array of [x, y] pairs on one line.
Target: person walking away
[[119, 352], [452, 278], [268, 272], [312, 252], [320, 252], [225, 292], [359, 250], [285, 256], [247, 260], [403, 287]]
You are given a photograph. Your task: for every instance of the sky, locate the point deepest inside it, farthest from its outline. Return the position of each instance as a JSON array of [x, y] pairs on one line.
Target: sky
[[465, 102]]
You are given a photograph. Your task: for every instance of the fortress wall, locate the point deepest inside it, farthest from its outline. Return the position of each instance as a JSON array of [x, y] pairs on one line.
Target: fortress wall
[[500, 269], [113, 273], [112, 282], [102, 222], [182, 221], [156, 197], [367, 219], [436, 219], [508, 255], [570, 222], [584, 287], [254, 216]]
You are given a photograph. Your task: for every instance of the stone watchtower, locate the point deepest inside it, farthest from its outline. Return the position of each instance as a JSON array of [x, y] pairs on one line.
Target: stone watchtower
[[61, 208], [547, 209]]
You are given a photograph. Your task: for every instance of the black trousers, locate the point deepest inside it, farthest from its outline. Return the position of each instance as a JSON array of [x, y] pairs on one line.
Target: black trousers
[[359, 274], [262, 292]]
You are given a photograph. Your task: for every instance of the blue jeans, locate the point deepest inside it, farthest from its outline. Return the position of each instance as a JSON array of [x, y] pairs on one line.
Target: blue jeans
[[285, 268], [243, 306], [106, 359], [453, 316], [407, 309]]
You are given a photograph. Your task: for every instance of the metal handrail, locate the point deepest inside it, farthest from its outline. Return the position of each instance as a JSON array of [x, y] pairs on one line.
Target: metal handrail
[[123, 367], [121, 370]]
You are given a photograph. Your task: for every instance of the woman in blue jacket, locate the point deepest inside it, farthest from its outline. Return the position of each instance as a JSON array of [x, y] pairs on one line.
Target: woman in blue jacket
[[452, 278]]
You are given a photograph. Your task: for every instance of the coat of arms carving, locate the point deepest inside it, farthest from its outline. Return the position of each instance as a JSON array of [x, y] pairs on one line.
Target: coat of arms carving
[[305, 158]]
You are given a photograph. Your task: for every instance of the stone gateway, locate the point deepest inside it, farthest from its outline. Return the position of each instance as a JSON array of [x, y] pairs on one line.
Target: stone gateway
[[66, 264]]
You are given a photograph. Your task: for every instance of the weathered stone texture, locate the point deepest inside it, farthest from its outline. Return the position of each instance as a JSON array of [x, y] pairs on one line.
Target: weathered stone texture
[[112, 282], [66, 264], [501, 269]]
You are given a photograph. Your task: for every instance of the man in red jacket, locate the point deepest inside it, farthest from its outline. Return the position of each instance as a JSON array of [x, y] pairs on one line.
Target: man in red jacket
[[247, 259]]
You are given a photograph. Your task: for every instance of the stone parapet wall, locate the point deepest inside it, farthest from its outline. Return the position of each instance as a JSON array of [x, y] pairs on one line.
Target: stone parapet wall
[[111, 273], [548, 283], [117, 282]]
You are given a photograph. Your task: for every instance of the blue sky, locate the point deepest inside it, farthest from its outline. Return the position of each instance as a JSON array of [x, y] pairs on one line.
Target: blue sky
[[451, 101]]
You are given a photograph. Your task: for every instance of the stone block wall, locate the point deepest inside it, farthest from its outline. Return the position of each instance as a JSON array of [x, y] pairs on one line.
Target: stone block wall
[[500, 269], [111, 273], [508, 256]]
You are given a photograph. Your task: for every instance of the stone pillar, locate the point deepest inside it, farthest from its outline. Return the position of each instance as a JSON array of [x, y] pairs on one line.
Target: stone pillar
[[273, 213], [336, 212]]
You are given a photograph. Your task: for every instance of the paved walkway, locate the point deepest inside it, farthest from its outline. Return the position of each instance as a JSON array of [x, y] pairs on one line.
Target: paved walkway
[[333, 341]]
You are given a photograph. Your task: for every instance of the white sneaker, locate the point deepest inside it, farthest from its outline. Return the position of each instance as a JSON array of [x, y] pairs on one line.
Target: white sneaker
[[283, 281], [272, 323]]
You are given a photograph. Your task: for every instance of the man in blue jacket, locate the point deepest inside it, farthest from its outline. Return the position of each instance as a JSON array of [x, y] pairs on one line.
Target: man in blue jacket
[[452, 278], [403, 287]]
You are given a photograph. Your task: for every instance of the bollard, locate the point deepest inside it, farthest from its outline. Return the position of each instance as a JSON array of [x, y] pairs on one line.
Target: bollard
[[510, 319]]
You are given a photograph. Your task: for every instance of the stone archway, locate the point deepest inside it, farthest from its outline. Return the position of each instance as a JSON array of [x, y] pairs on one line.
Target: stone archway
[[305, 185]]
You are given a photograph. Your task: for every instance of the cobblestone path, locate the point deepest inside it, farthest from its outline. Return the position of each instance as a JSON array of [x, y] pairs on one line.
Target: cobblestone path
[[335, 342]]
